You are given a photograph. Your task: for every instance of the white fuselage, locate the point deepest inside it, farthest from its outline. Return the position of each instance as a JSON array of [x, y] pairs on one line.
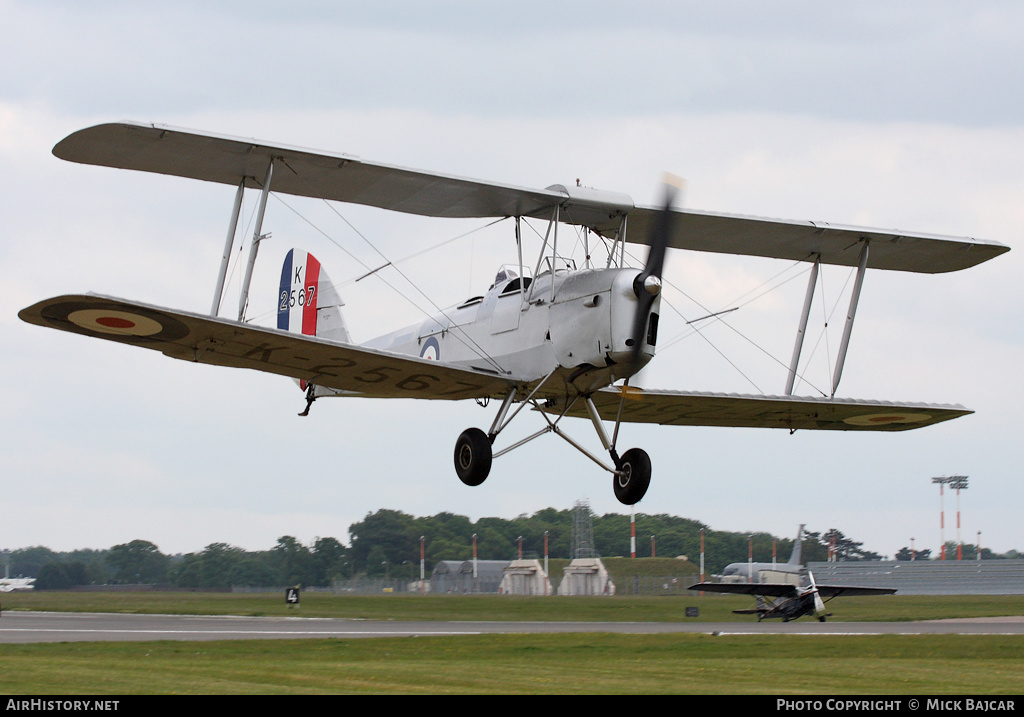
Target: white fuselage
[[578, 321]]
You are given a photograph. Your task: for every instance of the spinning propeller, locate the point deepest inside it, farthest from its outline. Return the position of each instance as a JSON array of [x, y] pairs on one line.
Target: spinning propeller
[[647, 285]]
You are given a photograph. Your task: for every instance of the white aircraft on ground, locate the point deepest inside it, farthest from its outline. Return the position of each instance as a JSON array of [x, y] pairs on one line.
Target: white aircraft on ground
[[782, 590], [11, 585], [561, 339]]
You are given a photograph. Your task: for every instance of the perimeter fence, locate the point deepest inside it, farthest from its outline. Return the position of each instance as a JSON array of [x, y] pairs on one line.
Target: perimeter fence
[[927, 577]]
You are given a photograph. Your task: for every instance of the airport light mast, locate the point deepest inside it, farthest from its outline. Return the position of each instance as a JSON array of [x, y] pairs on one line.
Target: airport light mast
[[957, 482], [941, 480]]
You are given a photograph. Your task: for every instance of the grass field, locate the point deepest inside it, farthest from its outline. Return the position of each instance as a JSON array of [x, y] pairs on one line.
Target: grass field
[[597, 663], [525, 664], [712, 608]]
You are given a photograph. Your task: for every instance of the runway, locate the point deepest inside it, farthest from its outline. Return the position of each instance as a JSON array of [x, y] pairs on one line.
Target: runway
[[29, 627]]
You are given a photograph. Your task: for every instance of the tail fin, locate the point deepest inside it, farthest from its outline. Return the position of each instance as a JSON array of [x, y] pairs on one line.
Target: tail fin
[[307, 300], [796, 557]]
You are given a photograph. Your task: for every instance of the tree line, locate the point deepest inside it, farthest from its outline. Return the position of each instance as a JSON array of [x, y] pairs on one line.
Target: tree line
[[387, 543]]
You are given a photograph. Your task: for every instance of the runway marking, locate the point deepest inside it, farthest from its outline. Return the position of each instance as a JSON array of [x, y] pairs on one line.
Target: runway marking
[[254, 633]]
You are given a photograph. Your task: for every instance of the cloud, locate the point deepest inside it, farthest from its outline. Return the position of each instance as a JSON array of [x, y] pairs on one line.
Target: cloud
[[889, 116]]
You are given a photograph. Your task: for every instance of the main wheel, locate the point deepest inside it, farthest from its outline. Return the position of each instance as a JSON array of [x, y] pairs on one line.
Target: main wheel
[[634, 476], [473, 456]]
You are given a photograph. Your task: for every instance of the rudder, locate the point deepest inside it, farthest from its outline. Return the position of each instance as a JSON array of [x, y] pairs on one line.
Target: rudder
[[307, 300]]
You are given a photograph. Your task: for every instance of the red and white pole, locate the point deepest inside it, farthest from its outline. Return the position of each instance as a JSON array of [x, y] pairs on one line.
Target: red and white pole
[[942, 522], [632, 533], [959, 542]]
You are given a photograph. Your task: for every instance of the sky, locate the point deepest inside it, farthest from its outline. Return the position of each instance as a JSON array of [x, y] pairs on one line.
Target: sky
[[896, 116]]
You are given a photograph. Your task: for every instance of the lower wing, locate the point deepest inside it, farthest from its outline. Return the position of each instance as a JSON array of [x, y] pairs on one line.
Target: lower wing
[[772, 589], [832, 591], [685, 408], [210, 340]]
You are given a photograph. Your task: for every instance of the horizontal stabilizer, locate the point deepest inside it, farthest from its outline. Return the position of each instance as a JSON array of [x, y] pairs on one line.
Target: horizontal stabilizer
[[346, 178]]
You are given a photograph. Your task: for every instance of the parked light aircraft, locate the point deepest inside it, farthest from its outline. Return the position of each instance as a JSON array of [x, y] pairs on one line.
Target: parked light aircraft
[[10, 585], [782, 590], [561, 339]]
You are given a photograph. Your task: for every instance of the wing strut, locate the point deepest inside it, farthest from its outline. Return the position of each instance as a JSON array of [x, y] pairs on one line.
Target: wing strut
[[802, 329], [229, 243], [256, 237], [862, 267]]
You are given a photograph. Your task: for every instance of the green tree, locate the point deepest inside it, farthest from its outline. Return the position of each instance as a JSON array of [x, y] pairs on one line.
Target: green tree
[[27, 562], [394, 533], [139, 561], [330, 560], [215, 567], [293, 562], [908, 554], [60, 575], [377, 563], [845, 548]]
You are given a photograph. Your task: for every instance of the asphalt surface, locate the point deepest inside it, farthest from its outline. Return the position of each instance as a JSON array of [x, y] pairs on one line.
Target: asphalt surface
[[28, 627]]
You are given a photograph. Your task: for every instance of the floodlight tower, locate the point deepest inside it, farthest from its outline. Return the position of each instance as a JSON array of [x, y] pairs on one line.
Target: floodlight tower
[[958, 483], [942, 481]]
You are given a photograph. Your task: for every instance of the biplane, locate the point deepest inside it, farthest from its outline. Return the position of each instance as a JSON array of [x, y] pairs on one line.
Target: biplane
[[559, 338], [785, 591]]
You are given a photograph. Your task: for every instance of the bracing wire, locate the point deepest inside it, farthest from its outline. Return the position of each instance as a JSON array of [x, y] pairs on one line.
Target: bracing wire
[[716, 316], [460, 335]]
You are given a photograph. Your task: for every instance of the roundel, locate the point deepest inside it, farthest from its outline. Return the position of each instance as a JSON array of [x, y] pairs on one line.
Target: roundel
[[431, 349], [131, 324], [108, 321], [884, 419]]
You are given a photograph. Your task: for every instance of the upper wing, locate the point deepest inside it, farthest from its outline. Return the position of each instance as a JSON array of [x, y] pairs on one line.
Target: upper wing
[[806, 240], [687, 408], [771, 589], [346, 178], [831, 591], [309, 173], [204, 339]]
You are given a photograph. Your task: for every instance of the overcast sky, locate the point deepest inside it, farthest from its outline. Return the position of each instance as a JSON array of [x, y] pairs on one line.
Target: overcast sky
[[906, 116]]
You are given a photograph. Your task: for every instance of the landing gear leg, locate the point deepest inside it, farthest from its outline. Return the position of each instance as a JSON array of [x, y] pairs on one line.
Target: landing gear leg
[[632, 475], [310, 397], [473, 453]]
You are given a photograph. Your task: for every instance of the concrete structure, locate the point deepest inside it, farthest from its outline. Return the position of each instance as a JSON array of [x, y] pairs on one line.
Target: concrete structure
[[456, 576], [524, 577], [586, 576]]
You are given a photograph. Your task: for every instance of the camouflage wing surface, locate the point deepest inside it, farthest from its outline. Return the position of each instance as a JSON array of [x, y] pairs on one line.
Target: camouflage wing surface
[[685, 408], [833, 591], [785, 590], [772, 589], [203, 339]]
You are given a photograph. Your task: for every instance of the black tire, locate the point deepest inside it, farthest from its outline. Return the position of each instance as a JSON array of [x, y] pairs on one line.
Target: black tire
[[634, 476], [473, 456]]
